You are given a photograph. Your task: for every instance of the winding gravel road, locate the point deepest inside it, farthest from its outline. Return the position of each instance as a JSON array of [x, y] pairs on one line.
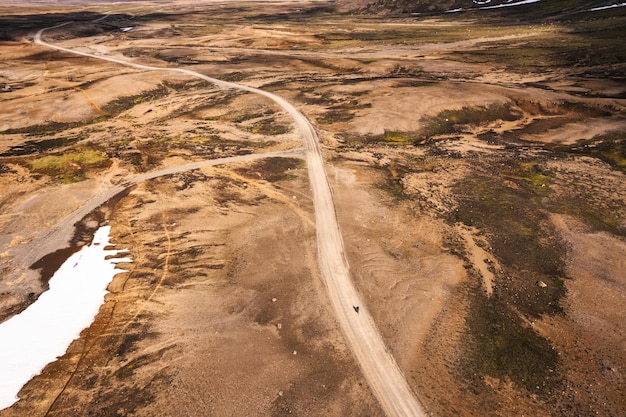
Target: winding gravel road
[[378, 365]]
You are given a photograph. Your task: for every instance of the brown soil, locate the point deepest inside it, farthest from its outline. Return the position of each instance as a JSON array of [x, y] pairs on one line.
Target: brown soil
[[482, 210]]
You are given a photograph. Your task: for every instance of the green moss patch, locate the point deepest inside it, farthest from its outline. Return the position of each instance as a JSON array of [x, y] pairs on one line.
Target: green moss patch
[[335, 116], [587, 45], [509, 209], [504, 347], [610, 148], [121, 104], [111, 109], [397, 138], [272, 169], [241, 117], [455, 121], [532, 174], [393, 184], [71, 166], [269, 128]]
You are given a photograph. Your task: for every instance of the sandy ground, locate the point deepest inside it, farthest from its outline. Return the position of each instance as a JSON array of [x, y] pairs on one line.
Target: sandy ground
[[223, 311]]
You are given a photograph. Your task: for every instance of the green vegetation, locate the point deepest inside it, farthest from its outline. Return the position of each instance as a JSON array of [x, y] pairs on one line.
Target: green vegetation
[[269, 128], [164, 145], [447, 122], [325, 64], [453, 121], [610, 148], [394, 185], [392, 137], [533, 57], [217, 99], [531, 173], [121, 104], [508, 207], [30, 147], [272, 169], [367, 34], [515, 220], [325, 98], [596, 218], [150, 153], [49, 128], [340, 107], [128, 370], [605, 34], [539, 126], [505, 347], [240, 117], [235, 76], [560, 107], [71, 166], [111, 109], [564, 48], [335, 116], [388, 137]]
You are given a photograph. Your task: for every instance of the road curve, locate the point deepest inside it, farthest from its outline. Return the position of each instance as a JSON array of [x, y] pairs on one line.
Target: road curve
[[377, 364]]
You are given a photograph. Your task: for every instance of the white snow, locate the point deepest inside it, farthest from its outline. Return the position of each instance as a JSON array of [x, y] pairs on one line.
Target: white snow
[[517, 3], [612, 6], [497, 6], [43, 332], [522, 2]]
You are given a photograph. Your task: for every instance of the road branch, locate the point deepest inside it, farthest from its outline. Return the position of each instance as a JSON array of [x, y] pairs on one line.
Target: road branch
[[378, 365]]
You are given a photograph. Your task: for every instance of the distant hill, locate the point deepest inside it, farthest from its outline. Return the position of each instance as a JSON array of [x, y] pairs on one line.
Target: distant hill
[[531, 8]]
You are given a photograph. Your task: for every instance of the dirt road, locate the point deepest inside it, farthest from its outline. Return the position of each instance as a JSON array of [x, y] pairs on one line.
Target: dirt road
[[58, 237], [378, 365]]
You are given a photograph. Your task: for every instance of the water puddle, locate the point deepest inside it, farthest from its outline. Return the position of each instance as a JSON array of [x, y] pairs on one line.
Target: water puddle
[[43, 332]]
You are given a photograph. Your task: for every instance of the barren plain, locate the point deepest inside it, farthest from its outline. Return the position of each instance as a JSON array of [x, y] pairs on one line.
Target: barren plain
[[477, 167]]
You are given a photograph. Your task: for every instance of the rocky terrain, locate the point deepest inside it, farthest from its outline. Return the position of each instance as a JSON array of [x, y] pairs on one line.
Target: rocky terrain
[[477, 163]]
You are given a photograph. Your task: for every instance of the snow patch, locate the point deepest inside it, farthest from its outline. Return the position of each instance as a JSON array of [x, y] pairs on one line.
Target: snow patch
[[43, 332], [497, 6], [517, 3], [612, 6]]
